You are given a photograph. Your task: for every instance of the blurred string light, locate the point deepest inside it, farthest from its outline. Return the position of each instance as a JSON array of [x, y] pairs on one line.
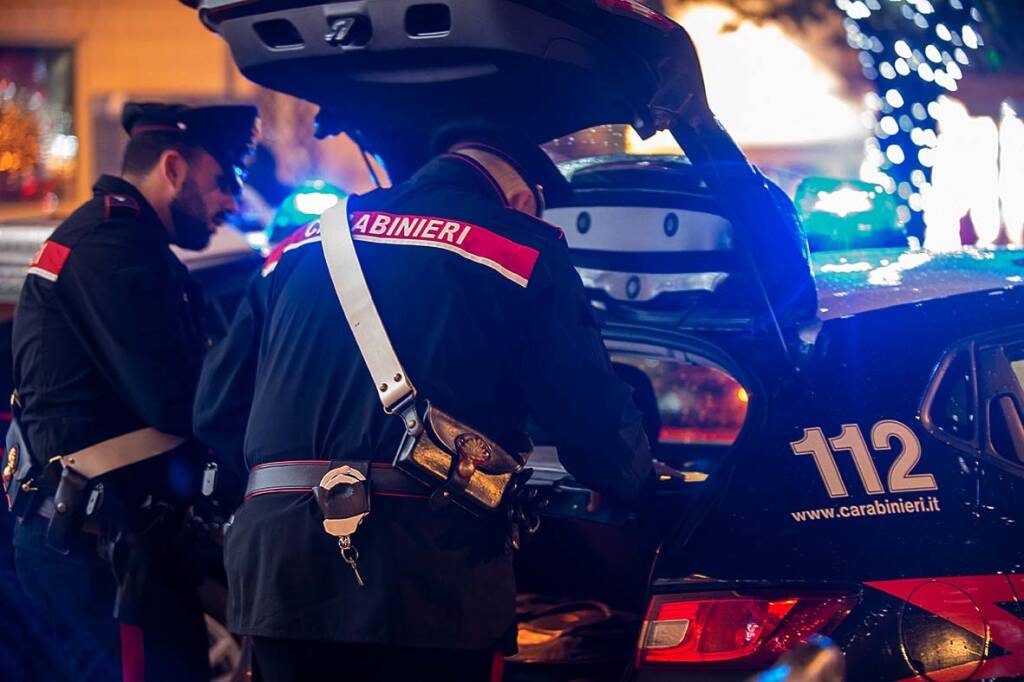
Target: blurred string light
[[1011, 174], [977, 171], [19, 134], [766, 89], [913, 51]]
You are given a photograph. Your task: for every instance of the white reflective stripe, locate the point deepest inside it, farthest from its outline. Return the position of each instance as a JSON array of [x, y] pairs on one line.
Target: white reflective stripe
[[271, 263], [45, 274], [634, 229], [486, 262], [121, 451], [393, 385]]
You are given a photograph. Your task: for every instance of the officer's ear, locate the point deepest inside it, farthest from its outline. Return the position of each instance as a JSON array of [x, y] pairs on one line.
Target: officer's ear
[[173, 168], [524, 201]]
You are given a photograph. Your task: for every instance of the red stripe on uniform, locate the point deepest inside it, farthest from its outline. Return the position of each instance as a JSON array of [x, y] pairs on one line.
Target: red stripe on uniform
[[404, 496], [510, 259], [133, 657], [304, 235], [49, 260], [289, 462], [497, 667]]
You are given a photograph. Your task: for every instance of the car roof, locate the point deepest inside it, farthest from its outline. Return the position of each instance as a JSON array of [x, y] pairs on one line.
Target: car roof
[[856, 282]]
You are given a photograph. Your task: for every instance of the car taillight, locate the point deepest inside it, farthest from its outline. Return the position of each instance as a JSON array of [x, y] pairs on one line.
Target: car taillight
[[734, 630], [632, 8]]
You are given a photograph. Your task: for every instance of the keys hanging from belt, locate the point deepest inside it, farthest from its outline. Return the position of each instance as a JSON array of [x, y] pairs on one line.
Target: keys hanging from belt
[[344, 499], [351, 555]]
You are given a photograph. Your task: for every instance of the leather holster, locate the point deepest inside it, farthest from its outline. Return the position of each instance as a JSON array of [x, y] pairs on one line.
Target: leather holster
[[469, 468]]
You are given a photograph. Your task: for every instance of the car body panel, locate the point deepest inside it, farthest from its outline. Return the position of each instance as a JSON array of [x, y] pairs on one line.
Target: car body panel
[[934, 549], [853, 282]]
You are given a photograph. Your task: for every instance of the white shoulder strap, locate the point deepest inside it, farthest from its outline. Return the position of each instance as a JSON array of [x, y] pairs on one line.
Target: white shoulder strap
[[393, 385]]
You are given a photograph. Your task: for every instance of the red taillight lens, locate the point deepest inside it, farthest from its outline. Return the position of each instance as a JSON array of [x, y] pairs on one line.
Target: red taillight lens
[[733, 630], [632, 8]]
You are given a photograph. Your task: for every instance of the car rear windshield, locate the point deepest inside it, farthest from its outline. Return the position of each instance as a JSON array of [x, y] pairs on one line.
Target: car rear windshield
[[610, 140]]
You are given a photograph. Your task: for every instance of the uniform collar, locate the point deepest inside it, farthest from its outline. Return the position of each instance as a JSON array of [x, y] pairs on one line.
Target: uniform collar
[[114, 185], [462, 171]]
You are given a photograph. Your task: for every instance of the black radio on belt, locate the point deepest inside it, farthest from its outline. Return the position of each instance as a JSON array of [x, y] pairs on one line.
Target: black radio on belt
[[69, 503]]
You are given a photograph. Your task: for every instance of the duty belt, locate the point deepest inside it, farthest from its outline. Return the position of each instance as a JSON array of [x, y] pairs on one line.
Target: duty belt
[[302, 476], [120, 451]]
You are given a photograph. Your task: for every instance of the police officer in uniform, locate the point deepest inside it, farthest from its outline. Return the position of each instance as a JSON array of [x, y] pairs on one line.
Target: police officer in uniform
[[108, 345], [495, 328]]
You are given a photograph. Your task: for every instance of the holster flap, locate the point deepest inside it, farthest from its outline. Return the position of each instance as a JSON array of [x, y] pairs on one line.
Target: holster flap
[[69, 503], [465, 442]]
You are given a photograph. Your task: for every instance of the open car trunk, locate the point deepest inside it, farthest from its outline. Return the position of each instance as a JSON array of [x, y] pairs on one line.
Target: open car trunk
[[697, 268], [582, 587], [391, 73], [582, 583], [583, 577]]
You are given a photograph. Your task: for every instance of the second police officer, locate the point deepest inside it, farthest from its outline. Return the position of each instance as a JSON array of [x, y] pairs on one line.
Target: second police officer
[[107, 346]]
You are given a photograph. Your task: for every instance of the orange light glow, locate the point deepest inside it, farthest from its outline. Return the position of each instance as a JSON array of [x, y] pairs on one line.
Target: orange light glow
[[742, 395]]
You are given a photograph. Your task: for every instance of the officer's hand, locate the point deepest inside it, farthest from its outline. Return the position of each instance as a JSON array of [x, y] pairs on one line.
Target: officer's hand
[[644, 495]]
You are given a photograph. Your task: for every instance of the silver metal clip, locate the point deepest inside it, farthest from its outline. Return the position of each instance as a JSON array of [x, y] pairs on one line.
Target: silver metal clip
[[95, 499], [209, 479], [339, 31]]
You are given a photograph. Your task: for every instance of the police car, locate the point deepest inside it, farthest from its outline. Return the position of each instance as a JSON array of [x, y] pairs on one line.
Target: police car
[[847, 446], [854, 470], [223, 269]]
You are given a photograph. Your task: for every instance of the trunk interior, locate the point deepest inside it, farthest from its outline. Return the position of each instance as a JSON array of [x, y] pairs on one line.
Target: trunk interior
[[583, 576], [583, 584]]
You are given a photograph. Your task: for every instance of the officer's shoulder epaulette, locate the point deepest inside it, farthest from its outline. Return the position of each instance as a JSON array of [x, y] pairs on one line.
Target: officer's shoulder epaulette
[[307, 234], [554, 231], [52, 254], [541, 228], [120, 206]]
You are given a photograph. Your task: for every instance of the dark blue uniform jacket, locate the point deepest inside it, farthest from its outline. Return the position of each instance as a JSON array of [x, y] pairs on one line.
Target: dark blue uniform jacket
[[491, 322], [108, 338]]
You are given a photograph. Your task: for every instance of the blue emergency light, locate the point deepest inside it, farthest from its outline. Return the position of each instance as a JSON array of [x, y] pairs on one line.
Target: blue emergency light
[[302, 206]]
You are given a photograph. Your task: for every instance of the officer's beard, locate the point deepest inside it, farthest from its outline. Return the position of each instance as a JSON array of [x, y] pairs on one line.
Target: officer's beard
[[188, 215]]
